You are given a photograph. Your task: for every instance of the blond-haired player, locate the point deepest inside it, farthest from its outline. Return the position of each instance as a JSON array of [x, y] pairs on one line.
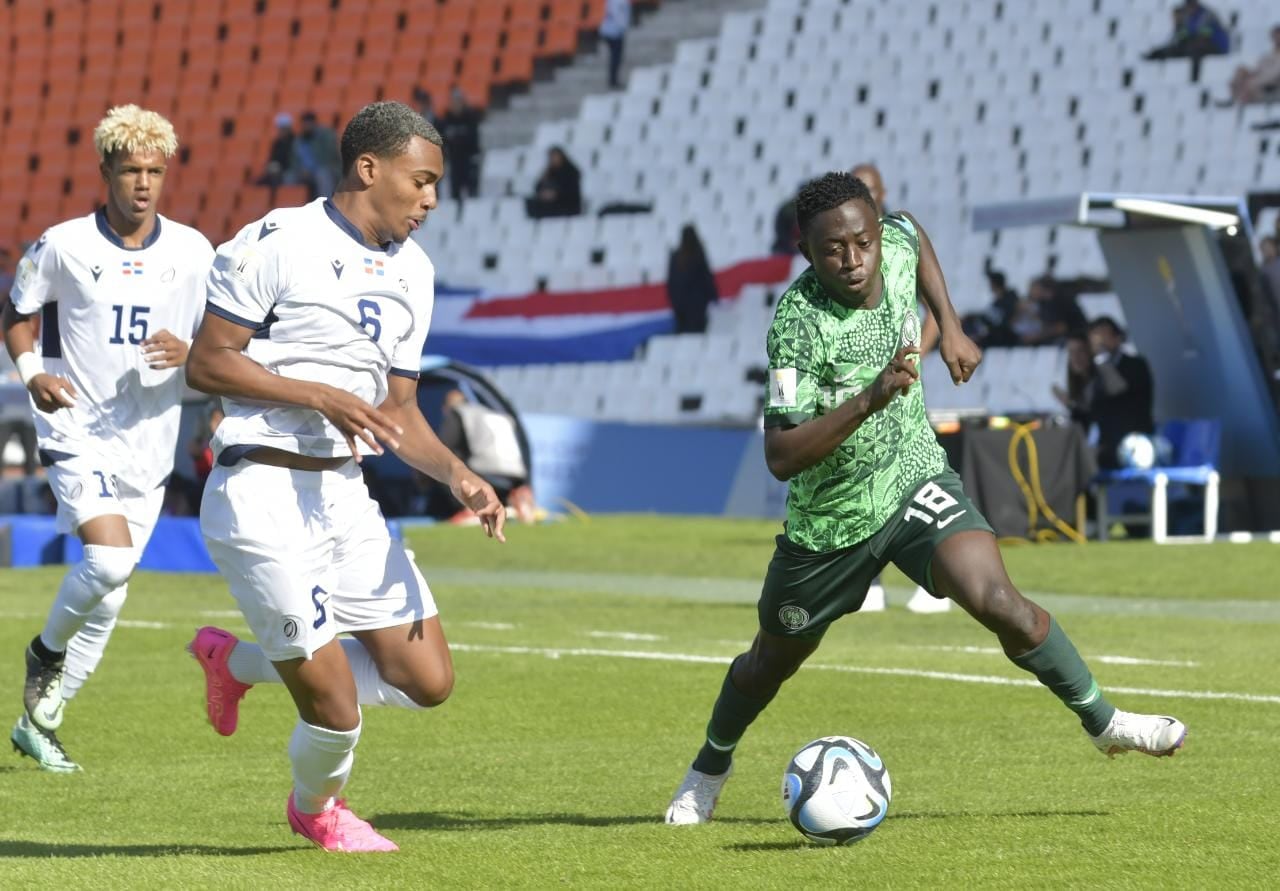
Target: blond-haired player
[[98, 323]]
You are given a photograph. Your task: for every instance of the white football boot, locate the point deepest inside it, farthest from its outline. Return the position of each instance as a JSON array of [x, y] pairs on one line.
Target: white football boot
[[1158, 735], [695, 800]]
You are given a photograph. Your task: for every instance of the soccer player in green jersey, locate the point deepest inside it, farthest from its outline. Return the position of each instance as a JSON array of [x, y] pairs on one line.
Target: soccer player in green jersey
[[845, 424]]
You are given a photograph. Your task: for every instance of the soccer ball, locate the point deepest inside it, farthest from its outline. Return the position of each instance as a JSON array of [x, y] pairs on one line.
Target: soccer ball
[[1142, 452], [836, 790]]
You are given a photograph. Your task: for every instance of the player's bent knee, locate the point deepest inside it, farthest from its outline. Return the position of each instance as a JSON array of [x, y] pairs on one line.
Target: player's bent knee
[[432, 691], [107, 568]]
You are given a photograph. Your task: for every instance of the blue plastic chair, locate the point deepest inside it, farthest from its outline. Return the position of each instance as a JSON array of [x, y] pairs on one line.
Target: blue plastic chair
[[1196, 445]]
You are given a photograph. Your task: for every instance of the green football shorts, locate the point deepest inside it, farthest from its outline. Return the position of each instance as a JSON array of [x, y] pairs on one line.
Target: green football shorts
[[805, 591]]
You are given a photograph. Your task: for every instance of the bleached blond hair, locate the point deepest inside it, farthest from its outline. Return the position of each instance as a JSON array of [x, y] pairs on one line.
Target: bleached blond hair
[[128, 128]]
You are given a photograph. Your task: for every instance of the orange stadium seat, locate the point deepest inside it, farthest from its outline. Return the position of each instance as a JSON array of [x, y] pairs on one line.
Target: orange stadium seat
[[165, 54]]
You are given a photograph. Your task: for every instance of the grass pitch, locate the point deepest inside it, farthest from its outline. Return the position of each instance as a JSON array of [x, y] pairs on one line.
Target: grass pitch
[[588, 655]]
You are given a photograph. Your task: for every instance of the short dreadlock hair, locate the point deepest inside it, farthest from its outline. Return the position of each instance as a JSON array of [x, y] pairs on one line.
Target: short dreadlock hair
[[128, 128], [828, 191]]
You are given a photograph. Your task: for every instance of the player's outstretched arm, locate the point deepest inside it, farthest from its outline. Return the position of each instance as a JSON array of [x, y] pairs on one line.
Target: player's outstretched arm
[[49, 391], [790, 450], [420, 448], [960, 354], [217, 365]]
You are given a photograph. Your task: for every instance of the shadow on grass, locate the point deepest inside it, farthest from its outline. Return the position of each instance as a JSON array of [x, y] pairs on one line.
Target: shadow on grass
[[799, 843], [12, 848], [464, 821]]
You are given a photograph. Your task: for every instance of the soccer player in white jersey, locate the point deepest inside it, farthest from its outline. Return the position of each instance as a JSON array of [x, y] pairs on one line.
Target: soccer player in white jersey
[[109, 297], [312, 336]]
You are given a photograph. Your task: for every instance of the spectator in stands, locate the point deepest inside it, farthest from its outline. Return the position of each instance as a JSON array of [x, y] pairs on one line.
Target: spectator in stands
[[316, 162], [1122, 392], [460, 127], [6, 271], [279, 167], [1076, 396], [1197, 32], [1057, 314], [558, 192], [1261, 83], [1269, 248], [423, 105], [993, 327], [691, 285], [613, 30], [486, 440], [870, 175], [786, 233]]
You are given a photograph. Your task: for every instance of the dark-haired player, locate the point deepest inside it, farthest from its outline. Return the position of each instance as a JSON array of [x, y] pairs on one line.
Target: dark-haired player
[[870, 484], [312, 337]]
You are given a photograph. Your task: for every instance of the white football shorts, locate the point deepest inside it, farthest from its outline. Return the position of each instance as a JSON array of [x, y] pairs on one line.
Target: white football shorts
[[85, 488], [307, 556]]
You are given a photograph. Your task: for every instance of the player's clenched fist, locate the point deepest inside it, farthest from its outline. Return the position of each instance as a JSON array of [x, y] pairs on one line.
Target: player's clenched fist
[[897, 377], [51, 392]]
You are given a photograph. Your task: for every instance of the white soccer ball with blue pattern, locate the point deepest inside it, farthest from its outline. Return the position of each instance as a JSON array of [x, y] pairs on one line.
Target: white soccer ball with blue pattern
[[836, 790]]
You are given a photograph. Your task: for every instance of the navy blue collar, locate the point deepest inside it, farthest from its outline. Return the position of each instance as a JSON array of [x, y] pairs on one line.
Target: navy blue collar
[[110, 234], [349, 227]]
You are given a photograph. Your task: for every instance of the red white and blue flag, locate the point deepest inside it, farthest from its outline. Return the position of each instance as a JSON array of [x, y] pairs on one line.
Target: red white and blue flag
[[569, 326]]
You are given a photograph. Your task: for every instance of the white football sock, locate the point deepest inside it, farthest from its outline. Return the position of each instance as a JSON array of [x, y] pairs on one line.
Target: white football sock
[[101, 571], [249, 665], [322, 762], [85, 649]]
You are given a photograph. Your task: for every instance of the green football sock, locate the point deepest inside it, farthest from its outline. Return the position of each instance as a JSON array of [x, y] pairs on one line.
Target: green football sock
[[1058, 666], [730, 717]]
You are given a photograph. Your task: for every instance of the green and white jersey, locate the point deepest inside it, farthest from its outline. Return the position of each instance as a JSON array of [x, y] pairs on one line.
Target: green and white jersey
[[822, 353]]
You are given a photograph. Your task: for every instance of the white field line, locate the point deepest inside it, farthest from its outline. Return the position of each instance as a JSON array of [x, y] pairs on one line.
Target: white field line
[[558, 652], [490, 626], [138, 623], [1107, 660], [221, 613], [626, 635]]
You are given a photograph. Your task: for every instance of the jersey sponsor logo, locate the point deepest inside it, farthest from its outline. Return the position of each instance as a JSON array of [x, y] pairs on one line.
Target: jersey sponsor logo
[[404, 286], [337, 268], [290, 627], [793, 617], [373, 267], [782, 388], [97, 272], [131, 267], [167, 275], [267, 229]]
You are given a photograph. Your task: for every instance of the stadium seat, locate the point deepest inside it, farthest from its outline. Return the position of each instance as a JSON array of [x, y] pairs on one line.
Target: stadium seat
[[1195, 447]]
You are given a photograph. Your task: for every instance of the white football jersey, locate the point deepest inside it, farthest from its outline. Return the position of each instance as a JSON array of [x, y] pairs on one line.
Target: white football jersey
[[98, 301], [324, 307]]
